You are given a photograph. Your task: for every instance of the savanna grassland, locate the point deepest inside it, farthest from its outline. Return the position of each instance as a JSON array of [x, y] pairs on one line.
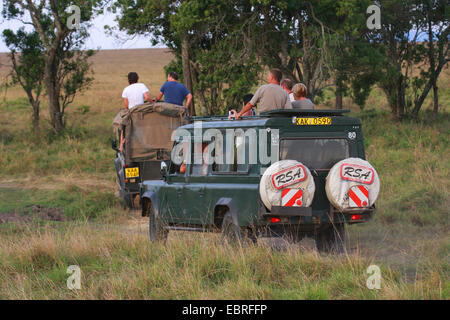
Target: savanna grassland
[[58, 208]]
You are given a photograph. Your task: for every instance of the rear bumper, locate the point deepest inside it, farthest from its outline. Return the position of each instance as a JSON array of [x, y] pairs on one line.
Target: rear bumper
[[289, 212], [308, 216]]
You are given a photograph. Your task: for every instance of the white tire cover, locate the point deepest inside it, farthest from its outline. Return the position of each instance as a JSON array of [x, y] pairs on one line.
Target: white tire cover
[[271, 190], [348, 174]]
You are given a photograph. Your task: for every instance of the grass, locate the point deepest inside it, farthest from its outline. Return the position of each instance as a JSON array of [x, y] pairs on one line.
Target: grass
[[127, 266], [408, 238]]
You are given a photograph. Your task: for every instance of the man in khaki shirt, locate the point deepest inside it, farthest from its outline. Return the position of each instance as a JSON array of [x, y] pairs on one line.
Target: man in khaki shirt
[[269, 96]]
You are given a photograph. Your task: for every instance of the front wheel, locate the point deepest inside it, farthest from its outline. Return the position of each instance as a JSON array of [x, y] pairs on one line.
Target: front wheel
[[158, 232], [331, 239]]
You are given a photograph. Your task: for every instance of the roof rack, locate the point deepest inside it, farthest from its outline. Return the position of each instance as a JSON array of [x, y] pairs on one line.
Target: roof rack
[[303, 112], [276, 113]]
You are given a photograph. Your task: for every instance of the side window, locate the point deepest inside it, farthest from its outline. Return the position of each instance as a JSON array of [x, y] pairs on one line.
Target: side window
[[199, 169], [179, 157], [235, 155]]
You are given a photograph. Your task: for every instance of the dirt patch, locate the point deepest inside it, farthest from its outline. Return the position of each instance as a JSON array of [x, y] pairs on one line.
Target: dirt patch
[[33, 212]]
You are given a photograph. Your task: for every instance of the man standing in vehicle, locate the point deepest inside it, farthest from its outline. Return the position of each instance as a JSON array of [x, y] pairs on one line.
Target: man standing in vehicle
[[136, 93], [269, 96], [174, 92]]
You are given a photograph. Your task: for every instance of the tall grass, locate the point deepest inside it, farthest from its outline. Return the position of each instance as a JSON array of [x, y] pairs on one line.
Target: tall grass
[[118, 265]]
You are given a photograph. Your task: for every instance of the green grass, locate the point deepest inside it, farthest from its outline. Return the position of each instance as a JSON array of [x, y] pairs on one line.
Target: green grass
[[76, 203]]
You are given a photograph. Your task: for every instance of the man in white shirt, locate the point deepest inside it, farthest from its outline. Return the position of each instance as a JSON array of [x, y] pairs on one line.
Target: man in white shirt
[[136, 93], [133, 95]]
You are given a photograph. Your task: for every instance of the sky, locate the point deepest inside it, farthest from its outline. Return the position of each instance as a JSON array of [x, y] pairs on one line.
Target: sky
[[98, 38]]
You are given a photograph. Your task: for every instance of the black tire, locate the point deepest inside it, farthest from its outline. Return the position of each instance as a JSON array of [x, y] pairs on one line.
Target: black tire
[[128, 199], [234, 234], [157, 229], [331, 239]]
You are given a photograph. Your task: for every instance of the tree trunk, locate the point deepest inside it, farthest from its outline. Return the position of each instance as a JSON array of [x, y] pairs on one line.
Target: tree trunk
[[339, 89], [187, 72], [34, 102], [56, 117], [436, 100], [36, 117]]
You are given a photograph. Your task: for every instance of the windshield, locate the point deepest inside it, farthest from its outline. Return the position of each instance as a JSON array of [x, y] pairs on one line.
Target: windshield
[[315, 153]]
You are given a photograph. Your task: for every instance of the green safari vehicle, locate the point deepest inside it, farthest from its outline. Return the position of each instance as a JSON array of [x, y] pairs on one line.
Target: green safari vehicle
[[223, 192]]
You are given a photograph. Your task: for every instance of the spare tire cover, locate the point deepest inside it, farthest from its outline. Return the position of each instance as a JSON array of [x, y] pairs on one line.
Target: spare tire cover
[[283, 175], [352, 183]]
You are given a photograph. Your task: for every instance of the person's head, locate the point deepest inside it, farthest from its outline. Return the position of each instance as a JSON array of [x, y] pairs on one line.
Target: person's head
[[173, 76], [246, 99], [287, 85], [133, 77], [275, 76], [299, 91]]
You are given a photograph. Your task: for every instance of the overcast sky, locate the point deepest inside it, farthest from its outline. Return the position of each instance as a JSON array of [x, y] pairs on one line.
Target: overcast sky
[[97, 39]]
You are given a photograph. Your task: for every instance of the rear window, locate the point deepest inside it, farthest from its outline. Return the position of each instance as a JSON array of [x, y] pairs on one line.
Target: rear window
[[315, 153]]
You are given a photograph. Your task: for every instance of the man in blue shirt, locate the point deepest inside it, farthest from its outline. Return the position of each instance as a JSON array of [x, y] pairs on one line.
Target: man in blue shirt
[[174, 92]]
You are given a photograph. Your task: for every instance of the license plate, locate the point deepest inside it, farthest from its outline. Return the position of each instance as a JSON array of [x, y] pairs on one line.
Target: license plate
[[323, 121], [131, 172]]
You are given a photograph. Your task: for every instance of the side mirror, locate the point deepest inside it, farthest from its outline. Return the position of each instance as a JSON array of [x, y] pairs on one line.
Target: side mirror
[[163, 169], [114, 145]]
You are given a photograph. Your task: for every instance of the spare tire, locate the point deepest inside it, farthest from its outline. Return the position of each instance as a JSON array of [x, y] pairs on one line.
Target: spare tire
[[352, 183], [284, 181]]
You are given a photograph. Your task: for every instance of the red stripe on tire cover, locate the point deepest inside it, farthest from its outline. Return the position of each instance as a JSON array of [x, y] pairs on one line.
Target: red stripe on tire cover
[[354, 197], [364, 191], [294, 198], [284, 192]]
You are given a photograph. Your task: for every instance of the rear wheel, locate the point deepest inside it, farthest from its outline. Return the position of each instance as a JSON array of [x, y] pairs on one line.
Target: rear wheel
[[234, 234], [158, 232], [331, 239]]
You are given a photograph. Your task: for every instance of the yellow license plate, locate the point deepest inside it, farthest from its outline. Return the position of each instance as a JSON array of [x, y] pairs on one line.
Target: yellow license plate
[[324, 121], [131, 172]]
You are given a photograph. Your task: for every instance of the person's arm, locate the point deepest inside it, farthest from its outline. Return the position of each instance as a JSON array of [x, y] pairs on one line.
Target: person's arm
[[125, 98], [122, 141], [147, 97], [159, 96], [247, 107], [189, 100]]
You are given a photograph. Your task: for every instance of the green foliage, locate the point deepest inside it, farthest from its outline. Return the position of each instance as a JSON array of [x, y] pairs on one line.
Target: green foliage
[[321, 44], [28, 64], [223, 68], [63, 66]]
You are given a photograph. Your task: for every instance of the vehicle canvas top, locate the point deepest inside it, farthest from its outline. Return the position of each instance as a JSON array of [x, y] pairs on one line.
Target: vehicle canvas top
[[147, 128]]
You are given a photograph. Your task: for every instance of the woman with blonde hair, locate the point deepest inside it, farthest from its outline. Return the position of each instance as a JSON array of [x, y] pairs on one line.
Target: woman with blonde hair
[[301, 102]]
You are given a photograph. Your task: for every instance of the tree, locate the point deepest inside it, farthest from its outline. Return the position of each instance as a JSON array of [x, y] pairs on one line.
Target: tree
[[435, 21], [208, 40], [399, 41], [66, 70], [27, 66]]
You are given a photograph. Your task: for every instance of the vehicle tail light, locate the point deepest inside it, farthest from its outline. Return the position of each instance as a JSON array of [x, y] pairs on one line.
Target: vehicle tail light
[[126, 180], [355, 217], [275, 220]]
